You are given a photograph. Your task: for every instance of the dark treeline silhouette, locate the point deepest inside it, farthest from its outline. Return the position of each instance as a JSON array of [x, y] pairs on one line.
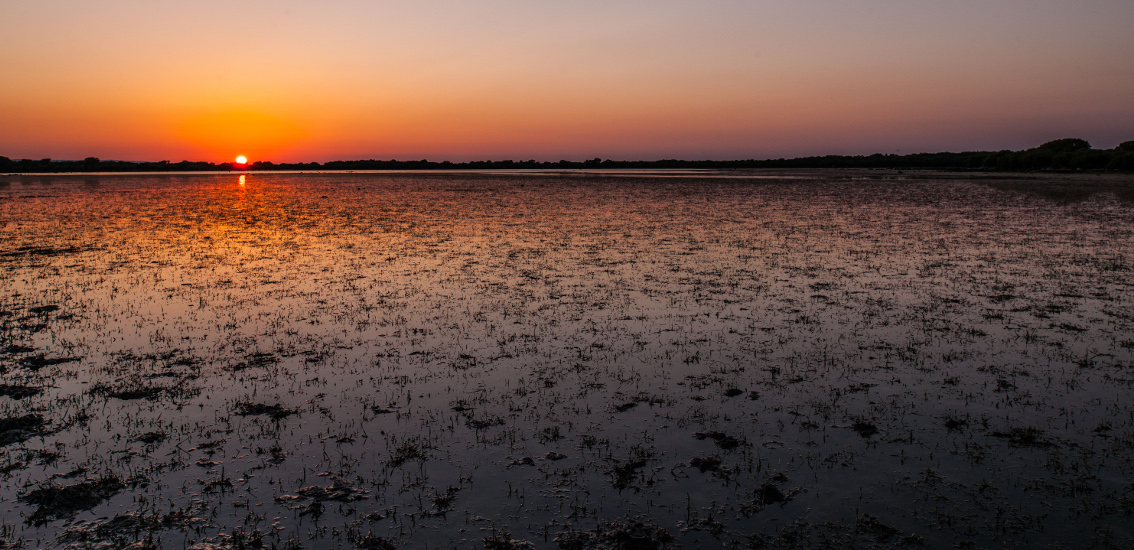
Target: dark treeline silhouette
[[1061, 154]]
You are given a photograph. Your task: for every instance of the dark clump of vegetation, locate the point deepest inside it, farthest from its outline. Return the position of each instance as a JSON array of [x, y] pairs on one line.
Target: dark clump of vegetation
[[623, 536], [42, 251], [135, 532], [276, 412], [276, 454], [128, 392], [769, 494], [765, 495], [706, 464], [870, 525], [624, 474], [865, 429], [150, 393], [1023, 437], [16, 391], [151, 438], [56, 502], [339, 490], [37, 362], [373, 542], [443, 502], [18, 429], [405, 452], [526, 461], [504, 541], [256, 360], [484, 423], [722, 440], [954, 424]]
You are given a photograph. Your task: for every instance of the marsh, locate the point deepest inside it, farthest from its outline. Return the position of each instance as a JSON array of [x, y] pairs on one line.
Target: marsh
[[566, 360]]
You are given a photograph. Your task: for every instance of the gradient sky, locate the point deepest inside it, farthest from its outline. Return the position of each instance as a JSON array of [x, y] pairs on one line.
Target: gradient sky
[[286, 80]]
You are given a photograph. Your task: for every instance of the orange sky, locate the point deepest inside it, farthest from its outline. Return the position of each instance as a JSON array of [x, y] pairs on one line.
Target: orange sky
[[294, 81]]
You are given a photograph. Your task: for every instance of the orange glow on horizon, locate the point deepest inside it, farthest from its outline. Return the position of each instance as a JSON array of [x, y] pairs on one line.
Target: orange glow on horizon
[[217, 133]]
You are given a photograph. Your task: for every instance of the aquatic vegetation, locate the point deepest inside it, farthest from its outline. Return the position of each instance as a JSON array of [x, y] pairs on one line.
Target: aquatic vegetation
[[17, 429], [570, 360], [54, 501], [620, 536], [275, 412]]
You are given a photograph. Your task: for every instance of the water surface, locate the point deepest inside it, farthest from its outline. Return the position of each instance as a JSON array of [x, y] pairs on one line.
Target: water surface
[[565, 360]]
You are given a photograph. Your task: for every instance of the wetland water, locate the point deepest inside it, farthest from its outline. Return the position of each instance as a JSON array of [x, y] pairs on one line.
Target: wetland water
[[564, 361]]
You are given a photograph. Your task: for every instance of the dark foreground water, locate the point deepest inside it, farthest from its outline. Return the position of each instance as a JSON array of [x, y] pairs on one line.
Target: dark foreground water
[[567, 361]]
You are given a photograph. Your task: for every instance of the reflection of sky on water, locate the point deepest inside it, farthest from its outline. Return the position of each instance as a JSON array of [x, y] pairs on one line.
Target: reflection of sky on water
[[485, 310]]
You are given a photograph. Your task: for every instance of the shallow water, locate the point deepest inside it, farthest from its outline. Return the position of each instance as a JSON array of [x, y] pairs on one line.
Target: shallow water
[[563, 360]]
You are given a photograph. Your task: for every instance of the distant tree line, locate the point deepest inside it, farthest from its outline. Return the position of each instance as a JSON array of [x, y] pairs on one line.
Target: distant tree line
[[1061, 154]]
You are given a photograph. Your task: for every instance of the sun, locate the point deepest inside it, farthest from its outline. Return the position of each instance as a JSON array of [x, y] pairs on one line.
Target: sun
[[242, 159]]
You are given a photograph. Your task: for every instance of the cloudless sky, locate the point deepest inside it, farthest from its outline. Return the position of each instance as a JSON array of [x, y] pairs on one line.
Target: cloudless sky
[[286, 80]]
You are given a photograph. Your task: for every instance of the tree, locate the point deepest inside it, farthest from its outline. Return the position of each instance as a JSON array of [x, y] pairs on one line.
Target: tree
[[1122, 160], [1066, 145]]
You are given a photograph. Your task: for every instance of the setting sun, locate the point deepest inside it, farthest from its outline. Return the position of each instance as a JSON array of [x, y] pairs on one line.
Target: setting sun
[[242, 159]]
